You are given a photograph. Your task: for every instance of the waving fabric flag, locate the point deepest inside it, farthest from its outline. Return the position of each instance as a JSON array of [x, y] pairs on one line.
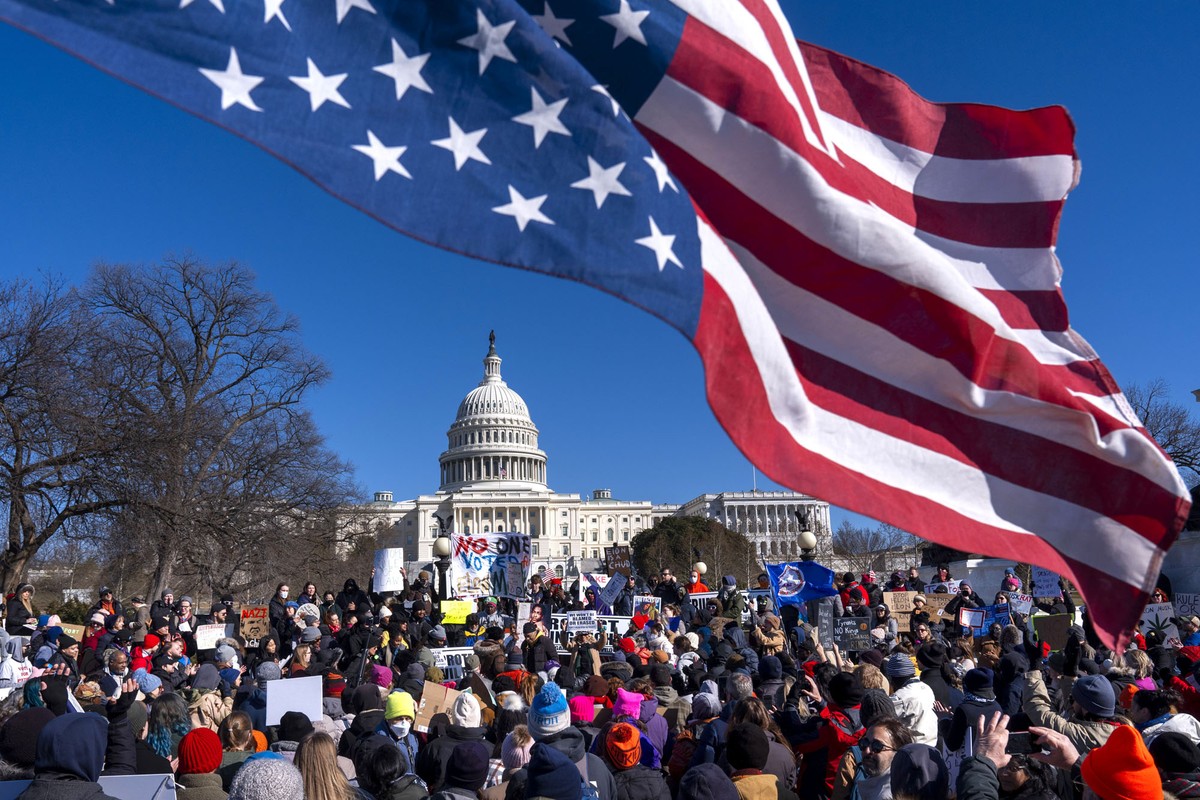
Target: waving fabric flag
[[794, 583], [869, 278]]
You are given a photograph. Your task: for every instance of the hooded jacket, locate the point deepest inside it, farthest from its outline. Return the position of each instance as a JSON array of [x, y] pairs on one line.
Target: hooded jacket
[[641, 783], [591, 767], [1084, 735], [70, 755], [435, 756], [673, 708]]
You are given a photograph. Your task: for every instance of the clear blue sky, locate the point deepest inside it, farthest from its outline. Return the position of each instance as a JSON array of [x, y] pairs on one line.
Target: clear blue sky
[[93, 170]]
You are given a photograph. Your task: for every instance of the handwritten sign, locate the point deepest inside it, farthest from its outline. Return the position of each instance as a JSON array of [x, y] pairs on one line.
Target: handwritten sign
[[581, 621], [74, 631], [1053, 628], [852, 633], [951, 588], [480, 564], [389, 569], [1187, 603], [207, 636], [1020, 603], [435, 699], [1044, 583], [901, 606], [254, 623], [596, 581], [454, 612], [617, 559], [1159, 617]]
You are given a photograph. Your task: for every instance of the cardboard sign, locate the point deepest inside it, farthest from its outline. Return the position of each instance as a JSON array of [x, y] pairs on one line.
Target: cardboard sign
[[480, 564], [454, 612], [647, 604], [581, 621], [852, 633], [1053, 628], [901, 607], [936, 606], [1020, 603], [389, 566], [207, 636], [255, 623], [618, 559], [1044, 583], [1187, 603], [435, 699], [294, 694], [1159, 617], [74, 631]]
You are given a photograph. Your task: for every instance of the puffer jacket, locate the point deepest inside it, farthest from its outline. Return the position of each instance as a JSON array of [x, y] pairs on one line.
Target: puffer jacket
[[1084, 735], [736, 637], [641, 783], [591, 767], [435, 756]]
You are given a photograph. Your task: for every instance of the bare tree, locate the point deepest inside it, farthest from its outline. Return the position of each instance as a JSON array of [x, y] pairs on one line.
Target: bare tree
[[864, 549], [1171, 424]]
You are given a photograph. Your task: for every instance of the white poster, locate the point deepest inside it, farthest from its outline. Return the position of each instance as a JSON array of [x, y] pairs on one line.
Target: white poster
[[207, 636], [581, 621], [389, 569], [480, 564], [1020, 603], [1158, 617], [294, 694], [612, 590]]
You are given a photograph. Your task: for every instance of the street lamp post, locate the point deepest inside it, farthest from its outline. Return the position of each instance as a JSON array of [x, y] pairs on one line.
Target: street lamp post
[[808, 543], [441, 549]]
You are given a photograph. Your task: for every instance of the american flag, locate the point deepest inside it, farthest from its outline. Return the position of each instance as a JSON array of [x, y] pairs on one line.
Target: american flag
[[869, 278]]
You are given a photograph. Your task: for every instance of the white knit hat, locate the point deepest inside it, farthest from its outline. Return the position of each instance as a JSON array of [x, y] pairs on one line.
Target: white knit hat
[[465, 711], [266, 779]]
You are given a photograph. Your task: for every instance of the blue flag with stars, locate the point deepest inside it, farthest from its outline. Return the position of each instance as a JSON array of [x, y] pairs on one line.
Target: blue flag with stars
[[794, 583]]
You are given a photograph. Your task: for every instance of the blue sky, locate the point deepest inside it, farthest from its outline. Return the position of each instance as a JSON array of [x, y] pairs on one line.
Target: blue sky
[[93, 170]]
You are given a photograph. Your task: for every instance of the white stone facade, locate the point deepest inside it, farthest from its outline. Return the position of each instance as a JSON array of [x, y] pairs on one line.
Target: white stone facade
[[493, 478]]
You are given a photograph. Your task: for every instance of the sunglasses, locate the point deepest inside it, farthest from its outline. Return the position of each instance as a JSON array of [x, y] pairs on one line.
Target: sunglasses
[[874, 745]]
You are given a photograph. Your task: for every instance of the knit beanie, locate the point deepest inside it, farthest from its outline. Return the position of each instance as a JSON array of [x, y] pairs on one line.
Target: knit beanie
[[513, 755], [1174, 753], [138, 714], [264, 778], [899, 665], [978, 682], [1121, 768], [399, 704], [628, 704], [705, 706], [465, 711], [225, 654], [468, 765], [267, 671], [548, 714], [623, 746], [381, 675], [706, 782], [596, 687], [876, 705], [846, 690], [1095, 693], [294, 726], [770, 667], [199, 752], [550, 774], [747, 746], [18, 737], [873, 657], [920, 771], [583, 709], [627, 645], [260, 741], [147, 683]]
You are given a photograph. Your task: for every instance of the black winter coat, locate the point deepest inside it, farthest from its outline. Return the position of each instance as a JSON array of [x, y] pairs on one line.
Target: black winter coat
[[63, 787], [965, 716], [433, 758], [641, 783]]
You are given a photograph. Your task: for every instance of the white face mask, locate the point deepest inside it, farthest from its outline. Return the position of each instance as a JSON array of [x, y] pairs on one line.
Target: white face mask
[[283, 593], [402, 728]]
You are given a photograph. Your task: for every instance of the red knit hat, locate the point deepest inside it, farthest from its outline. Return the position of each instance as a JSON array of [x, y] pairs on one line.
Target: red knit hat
[[150, 641], [199, 752], [623, 745], [1122, 769], [627, 645]]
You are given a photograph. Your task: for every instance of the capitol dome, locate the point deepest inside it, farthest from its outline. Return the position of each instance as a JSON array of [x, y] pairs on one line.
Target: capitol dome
[[493, 442]]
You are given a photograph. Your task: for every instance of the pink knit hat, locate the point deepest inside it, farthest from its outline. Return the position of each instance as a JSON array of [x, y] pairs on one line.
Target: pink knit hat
[[628, 704], [513, 755], [583, 709]]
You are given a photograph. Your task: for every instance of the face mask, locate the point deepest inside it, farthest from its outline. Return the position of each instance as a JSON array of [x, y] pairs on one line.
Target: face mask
[[402, 728], [283, 594]]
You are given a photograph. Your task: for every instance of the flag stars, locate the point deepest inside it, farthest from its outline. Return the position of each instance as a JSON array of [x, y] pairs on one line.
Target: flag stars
[[464, 146], [602, 182], [386, 159], [344, 7], [660, 172], [628, 24], [217, 4], [523, 209], [321, 88], [600, 89], [554, 26], [234, 84], [405, 71], [489, 39], [662, 245], [543, 118], [273, 9]]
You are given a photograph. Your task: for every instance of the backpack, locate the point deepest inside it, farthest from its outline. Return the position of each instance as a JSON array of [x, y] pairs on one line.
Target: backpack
[[682, 752], [588, 790], [859, 772]]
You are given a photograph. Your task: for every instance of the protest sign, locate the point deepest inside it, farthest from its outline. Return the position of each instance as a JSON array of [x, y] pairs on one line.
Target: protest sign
[[74, 631], [581, 621], [936, 606], [596, 581], [451, 660], [454, 612], [435, 699], [951, 588], [309, 610], [121, 787], [647, 604], [207, 636], [1159, 617], [388, 575], [1187, 603], [617, 559], [1044, 583], [294, 694], [480, 562], [901, 607], [523, 610], [612, 590], [852, 633], [1020, 603], [254, 623], [971, 617], [1053, 629]]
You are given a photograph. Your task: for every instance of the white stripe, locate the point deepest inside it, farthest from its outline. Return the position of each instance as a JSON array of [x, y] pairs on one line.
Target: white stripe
[[1076, 532], [1012, 269], [738, 25], [787, 186], [812, 321], [957, 180]]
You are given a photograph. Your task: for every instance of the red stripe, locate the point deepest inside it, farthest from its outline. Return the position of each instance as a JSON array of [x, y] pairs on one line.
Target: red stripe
[[1030, 310], [870, 98], [978, 442], [914, 315], [738, 399], [711, 65]]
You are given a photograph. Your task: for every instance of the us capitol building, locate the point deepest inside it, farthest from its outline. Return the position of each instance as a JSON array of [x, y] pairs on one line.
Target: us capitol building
[[493, 478]]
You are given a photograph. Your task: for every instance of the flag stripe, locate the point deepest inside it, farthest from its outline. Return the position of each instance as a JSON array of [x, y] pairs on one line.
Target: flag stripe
[[1045, 310], [875, 100]]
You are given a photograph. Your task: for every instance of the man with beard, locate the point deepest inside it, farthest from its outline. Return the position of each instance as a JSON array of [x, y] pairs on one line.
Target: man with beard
[[879, 745]]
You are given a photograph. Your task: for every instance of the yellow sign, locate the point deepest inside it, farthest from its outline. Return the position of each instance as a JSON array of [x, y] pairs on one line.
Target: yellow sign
[[454, 612]]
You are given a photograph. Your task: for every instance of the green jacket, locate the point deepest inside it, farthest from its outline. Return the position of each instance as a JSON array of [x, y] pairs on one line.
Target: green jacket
[[1084, 735]]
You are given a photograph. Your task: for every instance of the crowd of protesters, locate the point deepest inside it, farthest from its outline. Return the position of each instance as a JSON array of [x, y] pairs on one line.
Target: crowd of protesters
[[719, 698]]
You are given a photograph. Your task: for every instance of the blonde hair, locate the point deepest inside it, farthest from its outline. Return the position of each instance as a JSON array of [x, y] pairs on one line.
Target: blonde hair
[[872, 678], [237, 732], [302, 656], [316, 758], [1139, 662]]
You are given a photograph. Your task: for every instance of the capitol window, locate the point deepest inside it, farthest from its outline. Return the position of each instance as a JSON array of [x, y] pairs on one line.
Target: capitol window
[[535, 550], [566, 530], [610, 534]]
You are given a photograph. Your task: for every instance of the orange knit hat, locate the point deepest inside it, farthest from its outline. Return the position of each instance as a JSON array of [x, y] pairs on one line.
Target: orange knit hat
[[624, 746], [1122, 769], [260, 741]]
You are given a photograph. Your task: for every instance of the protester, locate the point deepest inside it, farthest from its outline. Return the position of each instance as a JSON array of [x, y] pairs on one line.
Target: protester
[[199, 758]]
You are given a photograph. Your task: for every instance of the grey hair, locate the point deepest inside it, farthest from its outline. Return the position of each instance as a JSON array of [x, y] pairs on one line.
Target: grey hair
[[1012, 635], [740, 686]]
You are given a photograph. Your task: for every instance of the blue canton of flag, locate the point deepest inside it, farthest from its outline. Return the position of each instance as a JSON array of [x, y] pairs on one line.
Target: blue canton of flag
[[794, 583]]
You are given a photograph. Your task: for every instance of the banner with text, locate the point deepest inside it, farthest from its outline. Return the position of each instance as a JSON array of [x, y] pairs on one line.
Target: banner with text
[[481, 564]]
